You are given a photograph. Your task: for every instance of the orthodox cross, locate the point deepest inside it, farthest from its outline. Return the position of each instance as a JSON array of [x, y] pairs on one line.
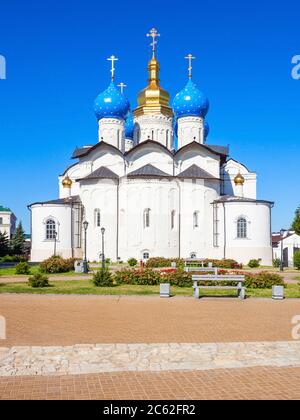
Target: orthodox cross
[[112, 59], [190, 68], [154, 34], [122, 86]]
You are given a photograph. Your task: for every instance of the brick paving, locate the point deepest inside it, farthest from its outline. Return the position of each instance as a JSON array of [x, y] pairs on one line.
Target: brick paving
[[250, 383], [37, 320]]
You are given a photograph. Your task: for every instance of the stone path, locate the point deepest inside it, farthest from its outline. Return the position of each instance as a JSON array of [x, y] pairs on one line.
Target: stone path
[[99, 358]]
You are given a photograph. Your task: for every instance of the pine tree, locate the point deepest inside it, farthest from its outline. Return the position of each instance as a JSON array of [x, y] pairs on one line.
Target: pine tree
[[18, 241], [296, 222], [4, 244]]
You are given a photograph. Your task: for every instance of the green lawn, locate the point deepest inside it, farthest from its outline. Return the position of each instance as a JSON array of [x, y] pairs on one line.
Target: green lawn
[[11, 271], [85, 287]]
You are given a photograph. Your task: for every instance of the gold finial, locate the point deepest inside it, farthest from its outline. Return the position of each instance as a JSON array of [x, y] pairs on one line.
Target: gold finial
[[190, 68], [122, 86], [154, 34], [239, 179], [112, 58], [67, 182]]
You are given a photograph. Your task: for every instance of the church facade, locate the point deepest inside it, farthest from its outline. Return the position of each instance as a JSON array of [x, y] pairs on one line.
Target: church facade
[[154, 197]]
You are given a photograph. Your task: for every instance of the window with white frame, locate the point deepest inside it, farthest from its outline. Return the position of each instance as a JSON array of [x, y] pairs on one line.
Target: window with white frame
[[196, 219], [242, 228], [173, 214], [51, 230], [97, 218], [147, 218]]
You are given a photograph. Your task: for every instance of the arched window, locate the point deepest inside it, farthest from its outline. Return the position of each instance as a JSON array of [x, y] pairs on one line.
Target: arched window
[[97, 218], [196, 219], [51, 230], [146, 218], [146, 255], [242, 228], [173, 214]]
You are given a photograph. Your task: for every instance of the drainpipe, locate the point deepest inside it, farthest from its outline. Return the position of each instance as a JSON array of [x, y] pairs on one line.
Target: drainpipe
[[225, 239], [118, 205]]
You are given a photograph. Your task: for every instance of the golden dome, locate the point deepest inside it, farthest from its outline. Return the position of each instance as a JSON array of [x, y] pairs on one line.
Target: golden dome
[[239, 179], [153, 99], [67, 182]]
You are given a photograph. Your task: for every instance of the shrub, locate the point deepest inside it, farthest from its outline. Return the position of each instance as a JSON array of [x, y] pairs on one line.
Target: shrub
[[132, 262], [140, 277], [107, 261], [276, 263], [224, 263], [103, 278], [254, 263], [263, 280], [297, 259], [23, 268], [57, 264], [38, 280], [159, 262], [178, 278]]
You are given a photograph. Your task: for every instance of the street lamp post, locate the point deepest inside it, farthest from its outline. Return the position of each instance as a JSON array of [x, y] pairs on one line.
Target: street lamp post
[[55, 240], [281, 251], [103, 257], [85, 263]]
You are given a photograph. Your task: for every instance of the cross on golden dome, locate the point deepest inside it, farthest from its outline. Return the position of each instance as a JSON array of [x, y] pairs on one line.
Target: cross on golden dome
[[154, 34]]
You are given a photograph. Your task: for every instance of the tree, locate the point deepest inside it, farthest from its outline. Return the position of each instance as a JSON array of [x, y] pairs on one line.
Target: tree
[[18, 241], [4, 244], [296, 222]]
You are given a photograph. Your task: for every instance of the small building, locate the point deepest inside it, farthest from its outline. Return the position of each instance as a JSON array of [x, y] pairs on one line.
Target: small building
[[290, 243], [7, 221]]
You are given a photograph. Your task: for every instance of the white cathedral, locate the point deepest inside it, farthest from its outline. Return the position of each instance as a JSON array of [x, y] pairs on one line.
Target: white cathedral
[[154, 196]]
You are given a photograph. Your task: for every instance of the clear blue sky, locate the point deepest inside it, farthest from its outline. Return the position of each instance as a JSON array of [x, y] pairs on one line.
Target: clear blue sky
[[56, 65]]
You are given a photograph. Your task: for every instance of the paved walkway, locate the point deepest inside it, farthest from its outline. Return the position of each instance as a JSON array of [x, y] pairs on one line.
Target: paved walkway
[[251, 383], [43, 320], [83, 359]]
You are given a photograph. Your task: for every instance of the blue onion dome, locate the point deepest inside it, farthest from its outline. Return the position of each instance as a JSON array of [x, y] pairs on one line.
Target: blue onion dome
[[111, 104], [206, 129], [129, 126], [190, 102]]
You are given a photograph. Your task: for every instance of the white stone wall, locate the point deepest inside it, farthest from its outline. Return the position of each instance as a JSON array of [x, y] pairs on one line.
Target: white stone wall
[[190, 129], [154, 127], [43, 248], [101, 195], [258, 244], [8, 224], [289, 245], [112, 131]]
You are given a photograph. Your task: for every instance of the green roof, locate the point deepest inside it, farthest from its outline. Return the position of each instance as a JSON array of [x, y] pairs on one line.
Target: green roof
[[4, 208]]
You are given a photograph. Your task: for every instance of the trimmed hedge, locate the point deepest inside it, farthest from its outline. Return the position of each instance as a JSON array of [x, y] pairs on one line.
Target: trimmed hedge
[[57, 264], [140, 277], [160, 262], [254, 263], [179, 278], [132, 262]]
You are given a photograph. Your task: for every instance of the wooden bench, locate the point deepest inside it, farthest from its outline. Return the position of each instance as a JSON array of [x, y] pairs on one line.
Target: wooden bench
[[213, 278]]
